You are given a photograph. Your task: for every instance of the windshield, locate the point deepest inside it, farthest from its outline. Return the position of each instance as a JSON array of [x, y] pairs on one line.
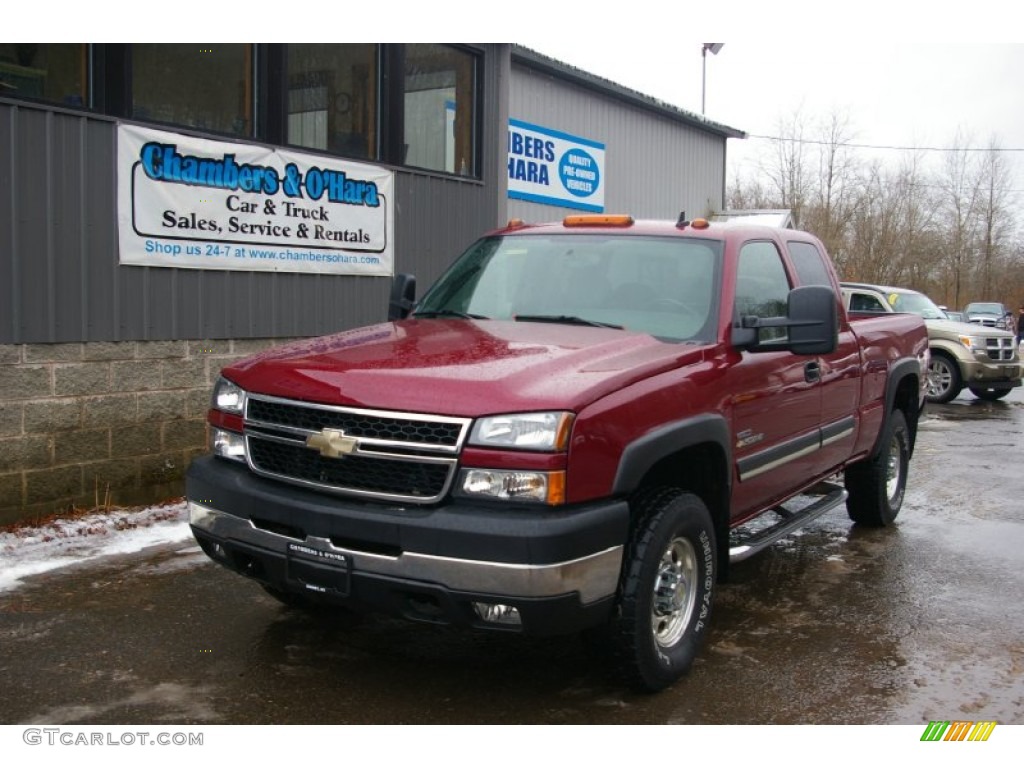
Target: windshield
[[665, 286], [918, 303], [985, 308]]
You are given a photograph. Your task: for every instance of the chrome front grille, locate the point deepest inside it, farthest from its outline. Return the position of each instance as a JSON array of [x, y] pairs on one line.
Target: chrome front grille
[[391, 456]]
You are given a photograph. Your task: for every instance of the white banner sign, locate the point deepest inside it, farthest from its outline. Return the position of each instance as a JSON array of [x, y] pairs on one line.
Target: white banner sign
[[547, 166], [204, 204]]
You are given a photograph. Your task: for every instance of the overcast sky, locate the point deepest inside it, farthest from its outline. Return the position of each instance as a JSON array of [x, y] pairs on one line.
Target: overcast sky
[[915, 94]]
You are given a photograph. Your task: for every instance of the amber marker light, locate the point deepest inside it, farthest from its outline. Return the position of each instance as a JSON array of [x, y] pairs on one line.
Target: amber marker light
[[595, 220], [562, 433], [699, 224], [556, 488]]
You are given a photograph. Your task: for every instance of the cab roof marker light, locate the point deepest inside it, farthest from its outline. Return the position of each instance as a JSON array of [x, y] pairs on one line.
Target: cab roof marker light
[[598, 220], [695, 224], [515, 224]]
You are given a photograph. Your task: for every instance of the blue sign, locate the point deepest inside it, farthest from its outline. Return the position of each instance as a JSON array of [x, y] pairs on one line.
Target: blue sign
[[554, 168]]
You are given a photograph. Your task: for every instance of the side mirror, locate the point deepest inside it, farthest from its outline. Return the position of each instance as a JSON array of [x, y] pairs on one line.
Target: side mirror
[[403, 296], [812, 323], [815, 328]]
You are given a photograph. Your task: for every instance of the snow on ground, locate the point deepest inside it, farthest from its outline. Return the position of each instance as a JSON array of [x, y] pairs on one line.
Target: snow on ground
[[29, 550]]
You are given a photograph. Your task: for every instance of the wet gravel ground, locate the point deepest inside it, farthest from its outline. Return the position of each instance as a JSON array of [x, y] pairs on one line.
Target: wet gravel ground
[[835, 625]]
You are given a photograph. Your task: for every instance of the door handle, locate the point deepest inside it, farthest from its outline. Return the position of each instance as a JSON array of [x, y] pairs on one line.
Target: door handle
[[812, 371]]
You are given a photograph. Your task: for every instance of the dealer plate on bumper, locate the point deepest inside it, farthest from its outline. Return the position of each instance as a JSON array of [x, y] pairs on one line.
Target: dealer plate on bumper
[[318, 570]]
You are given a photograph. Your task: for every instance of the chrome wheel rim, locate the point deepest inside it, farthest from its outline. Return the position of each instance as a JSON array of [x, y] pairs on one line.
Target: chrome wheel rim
[[940, 378], [675, 592], [893, 469]]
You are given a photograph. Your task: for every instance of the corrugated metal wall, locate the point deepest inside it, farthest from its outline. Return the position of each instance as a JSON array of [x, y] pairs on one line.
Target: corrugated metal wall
[[655, 167], [60, 280]]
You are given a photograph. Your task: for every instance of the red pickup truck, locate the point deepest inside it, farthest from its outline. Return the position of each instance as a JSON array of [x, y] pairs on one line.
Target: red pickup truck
[[579, 426]]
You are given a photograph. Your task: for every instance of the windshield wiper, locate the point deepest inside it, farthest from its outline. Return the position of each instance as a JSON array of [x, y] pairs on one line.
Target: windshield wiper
[[449, 313], [567, 319]]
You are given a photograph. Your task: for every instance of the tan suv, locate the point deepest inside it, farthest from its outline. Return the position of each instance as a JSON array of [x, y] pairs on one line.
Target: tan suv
[[968, 355]]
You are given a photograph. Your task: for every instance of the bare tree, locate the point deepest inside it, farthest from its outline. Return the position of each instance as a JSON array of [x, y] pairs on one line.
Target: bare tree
[[836, 189], [959, 203], [994, 220], [949, 231], [786, 170]]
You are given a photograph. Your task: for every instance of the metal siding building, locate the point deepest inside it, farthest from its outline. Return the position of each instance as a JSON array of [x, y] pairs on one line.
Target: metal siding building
[[661, 160], [60, 280]]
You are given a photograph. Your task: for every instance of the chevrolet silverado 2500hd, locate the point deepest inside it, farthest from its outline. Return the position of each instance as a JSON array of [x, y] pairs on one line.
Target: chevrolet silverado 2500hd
[[580, 425]]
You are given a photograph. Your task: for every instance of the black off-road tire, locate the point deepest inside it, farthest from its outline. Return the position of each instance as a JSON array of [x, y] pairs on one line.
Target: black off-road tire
[[876, 486], [990, 394], [944, 379], [666, 588]]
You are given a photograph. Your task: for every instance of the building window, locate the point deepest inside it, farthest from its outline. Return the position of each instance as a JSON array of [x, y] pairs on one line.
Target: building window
[[332, 98], [208, 86], [414, 105], [51, 72], [440, 106]]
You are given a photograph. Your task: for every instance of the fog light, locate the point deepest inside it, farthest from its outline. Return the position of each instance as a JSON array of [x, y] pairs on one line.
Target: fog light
[[515, 485], [228, 445], [496, 613]]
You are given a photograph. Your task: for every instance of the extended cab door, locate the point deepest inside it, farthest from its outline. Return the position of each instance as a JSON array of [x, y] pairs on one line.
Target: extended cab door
[[776, 395], [840, 371]]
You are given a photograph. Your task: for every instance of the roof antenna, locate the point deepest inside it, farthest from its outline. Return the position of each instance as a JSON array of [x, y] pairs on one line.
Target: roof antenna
[[681, 221]]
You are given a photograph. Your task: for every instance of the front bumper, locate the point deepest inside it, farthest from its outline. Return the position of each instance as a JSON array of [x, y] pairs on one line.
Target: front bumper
[[558, 568], [992, 374]]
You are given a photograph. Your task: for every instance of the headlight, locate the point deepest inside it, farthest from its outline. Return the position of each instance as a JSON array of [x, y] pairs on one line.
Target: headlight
[[514, 485], [973, 343], [548, 431], [228, 397]]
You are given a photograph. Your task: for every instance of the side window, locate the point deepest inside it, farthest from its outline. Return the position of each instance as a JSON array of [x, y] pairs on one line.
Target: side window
[[762, 288], [809, 264], [865, 302]]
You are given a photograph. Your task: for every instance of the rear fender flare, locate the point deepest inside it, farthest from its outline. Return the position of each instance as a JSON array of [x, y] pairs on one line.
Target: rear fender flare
[[907, 368]]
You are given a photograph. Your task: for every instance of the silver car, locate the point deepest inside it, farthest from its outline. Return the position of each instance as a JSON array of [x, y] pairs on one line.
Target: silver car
[[980, 357], [991, 314]]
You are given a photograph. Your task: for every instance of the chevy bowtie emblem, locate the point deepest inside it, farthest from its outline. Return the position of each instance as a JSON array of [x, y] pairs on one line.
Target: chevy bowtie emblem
[[332, 443]]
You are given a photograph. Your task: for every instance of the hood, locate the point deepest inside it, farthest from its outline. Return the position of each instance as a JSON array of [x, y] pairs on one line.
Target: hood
[[461, 367], [967, 329], [986, 314]]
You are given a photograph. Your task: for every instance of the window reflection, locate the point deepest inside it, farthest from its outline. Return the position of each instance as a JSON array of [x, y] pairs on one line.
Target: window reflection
[[332, 98], [439, 108], [51, 72], [413, 105], [203, 85]]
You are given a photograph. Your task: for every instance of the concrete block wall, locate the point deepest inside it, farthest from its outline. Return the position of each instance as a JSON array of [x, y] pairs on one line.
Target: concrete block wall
[[118, 422]]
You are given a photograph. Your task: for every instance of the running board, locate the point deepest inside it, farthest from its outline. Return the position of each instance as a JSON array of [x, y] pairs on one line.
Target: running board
[[832, 496]]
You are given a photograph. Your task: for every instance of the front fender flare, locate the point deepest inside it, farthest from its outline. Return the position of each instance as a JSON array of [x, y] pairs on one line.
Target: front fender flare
[[647, 450]]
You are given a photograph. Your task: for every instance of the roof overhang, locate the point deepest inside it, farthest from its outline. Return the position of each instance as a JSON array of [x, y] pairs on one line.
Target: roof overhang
[[537, 61]]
